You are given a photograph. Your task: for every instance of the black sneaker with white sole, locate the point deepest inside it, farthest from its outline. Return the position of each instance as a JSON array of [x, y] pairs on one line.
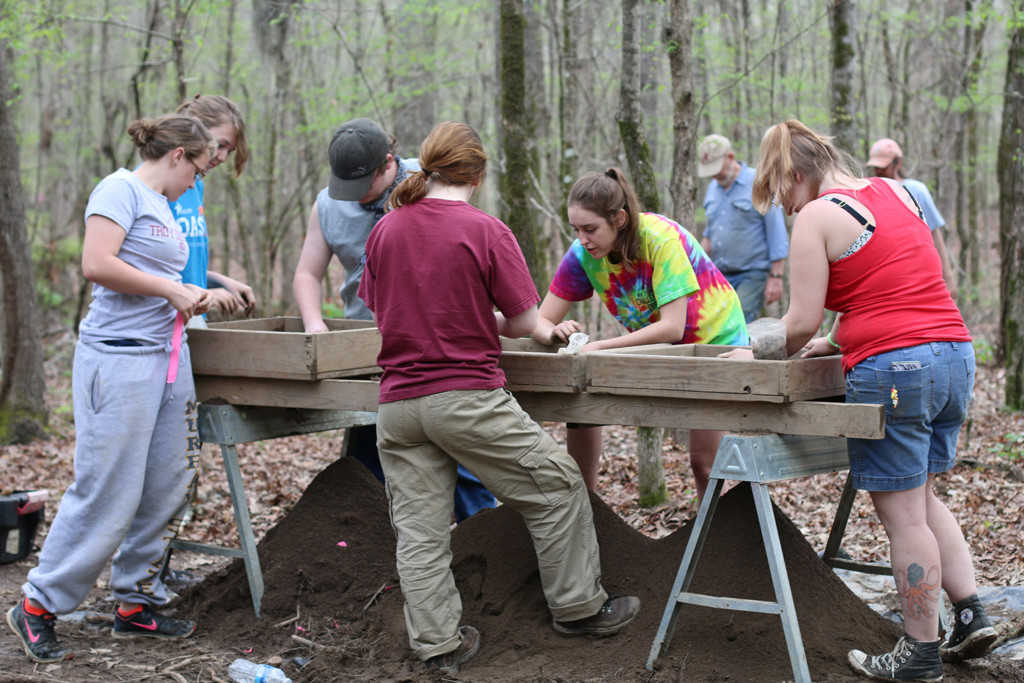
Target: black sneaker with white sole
[[910, 660], [37, 635], [973, 634]]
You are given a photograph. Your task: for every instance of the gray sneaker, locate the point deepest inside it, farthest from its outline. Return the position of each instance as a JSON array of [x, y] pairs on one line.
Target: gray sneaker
[[972, 634], [451, 662], [910, 660], [616, 612]]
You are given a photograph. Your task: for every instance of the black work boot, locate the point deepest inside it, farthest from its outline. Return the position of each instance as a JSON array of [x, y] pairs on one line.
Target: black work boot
[[910, 660], [972, 634]]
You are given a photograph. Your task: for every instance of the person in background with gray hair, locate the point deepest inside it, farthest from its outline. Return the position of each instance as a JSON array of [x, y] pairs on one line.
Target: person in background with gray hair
[[749, 248]]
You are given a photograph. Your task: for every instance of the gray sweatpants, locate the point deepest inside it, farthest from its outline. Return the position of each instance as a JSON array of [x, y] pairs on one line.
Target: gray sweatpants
[[136, 456], [421, 442]]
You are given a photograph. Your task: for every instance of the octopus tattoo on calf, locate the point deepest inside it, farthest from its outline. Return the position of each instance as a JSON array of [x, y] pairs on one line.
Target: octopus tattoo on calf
[[919, 591]]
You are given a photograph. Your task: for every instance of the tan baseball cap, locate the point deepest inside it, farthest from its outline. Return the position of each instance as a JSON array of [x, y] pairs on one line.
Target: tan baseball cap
[[710, 154], [883, 153]]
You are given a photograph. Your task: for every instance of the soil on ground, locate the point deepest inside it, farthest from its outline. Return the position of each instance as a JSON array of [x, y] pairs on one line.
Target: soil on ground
[[332, 604]]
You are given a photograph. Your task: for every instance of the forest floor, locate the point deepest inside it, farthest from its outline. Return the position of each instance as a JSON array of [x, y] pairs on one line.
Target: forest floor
[[333, 610]]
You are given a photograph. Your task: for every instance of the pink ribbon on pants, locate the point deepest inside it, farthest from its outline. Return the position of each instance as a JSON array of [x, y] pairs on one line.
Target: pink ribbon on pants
[[172, 369]]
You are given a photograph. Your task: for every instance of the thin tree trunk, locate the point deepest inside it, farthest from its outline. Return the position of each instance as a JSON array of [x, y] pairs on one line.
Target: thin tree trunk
[[652, 490], [517, 133], [678, 39], [1010, 168], [843, 15], [22, 384]]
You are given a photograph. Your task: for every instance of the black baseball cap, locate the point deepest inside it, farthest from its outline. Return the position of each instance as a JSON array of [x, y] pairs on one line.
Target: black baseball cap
[[357, 150]]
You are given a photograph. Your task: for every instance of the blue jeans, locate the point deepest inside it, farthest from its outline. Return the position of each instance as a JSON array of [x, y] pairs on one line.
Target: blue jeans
[[749, 286], [925, 390], [470, 495]]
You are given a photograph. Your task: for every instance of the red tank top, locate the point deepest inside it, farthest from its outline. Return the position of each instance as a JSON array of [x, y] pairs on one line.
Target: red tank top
[[890, 291]]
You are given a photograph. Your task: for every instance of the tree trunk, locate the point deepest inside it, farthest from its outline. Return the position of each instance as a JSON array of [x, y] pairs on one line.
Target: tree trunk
[[22, 384], [843, 16], [650, 468], [1010, 168], [516, 140], [630, 115], [569, 99], [651, 474], [678, 41]]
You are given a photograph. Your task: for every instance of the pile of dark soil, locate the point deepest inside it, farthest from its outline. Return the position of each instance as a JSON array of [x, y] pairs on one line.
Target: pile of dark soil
[[348, 603]]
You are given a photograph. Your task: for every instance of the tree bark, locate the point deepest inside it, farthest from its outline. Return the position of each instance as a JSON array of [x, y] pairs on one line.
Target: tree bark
[[843, 15], [23, 383], [630, 114], [678, 39], [1010, 168], [651, 476], [517, 133]]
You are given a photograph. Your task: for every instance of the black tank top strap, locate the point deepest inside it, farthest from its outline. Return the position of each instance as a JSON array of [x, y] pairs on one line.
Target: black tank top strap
[[870, 227], [920, 212]]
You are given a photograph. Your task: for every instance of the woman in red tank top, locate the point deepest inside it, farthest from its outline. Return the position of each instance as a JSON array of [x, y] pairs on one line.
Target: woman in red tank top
[[860, 248]]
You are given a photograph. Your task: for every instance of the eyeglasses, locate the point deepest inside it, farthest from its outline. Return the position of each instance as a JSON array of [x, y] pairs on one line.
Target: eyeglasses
[[199, 172]]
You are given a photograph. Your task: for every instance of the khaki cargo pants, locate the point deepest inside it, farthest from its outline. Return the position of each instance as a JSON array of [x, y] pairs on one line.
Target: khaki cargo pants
[[421, 442]]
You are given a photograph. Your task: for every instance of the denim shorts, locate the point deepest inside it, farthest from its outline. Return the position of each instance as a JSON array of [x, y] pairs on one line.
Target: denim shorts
[[925, 390]]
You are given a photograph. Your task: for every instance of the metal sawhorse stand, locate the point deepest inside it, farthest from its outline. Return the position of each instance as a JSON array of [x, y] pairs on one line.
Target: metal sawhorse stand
[[229, 425], [760, 460]]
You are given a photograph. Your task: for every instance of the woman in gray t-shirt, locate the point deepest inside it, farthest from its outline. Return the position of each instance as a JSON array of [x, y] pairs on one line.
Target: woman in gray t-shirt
[[135, 410]]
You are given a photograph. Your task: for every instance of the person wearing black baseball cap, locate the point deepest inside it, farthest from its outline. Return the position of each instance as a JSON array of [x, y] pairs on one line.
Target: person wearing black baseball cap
[[365, 168], [360, 153]]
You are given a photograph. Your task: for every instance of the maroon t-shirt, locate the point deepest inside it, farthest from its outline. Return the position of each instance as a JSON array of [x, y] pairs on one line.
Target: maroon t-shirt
[[435, 272]]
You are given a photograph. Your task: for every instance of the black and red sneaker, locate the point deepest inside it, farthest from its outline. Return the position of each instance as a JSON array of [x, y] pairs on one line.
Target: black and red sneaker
[[36, 634], [145, 623]]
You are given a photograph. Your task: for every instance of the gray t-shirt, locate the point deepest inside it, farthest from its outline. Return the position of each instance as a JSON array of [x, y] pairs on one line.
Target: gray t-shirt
[[345, 227], [153, 243]]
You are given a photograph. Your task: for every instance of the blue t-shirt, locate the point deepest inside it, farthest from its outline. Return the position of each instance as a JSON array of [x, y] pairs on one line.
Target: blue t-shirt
[[919, 191], [741, 237], [188, 212]]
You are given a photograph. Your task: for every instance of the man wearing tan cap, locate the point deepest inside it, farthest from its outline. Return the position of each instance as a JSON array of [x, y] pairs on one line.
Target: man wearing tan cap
[[749, 248], [886, 160]]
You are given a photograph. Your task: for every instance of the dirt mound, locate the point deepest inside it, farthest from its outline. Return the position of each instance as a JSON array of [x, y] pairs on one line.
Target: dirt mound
[[308, 573]]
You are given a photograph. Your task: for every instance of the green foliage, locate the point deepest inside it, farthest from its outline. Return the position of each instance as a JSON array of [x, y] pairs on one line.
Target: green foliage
[[1011, 447], [984, 351], [331, 310]]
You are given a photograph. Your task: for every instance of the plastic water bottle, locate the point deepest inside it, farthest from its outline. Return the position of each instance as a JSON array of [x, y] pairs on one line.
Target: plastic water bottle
[[244, 671]]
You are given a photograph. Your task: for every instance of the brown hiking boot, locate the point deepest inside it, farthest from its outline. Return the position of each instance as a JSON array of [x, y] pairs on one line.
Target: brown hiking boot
[[451, 662], [616, 612]]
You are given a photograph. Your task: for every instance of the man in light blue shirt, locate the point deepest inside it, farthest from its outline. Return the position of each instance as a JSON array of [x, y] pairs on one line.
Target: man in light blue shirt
[[749, 248], [886, 161]]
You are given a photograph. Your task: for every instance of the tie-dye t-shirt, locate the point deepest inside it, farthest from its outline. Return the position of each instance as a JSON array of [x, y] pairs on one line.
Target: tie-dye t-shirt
[[670, 264]]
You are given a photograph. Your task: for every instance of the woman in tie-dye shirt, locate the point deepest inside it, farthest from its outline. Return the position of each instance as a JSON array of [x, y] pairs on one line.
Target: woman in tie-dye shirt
[[654, 277]]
